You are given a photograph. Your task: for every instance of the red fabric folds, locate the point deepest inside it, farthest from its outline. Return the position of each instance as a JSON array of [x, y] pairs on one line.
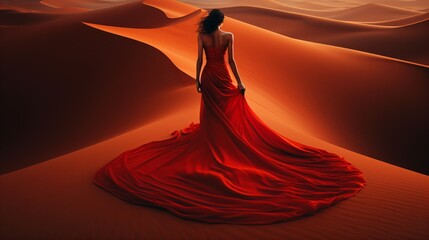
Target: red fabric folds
[[230, 167]]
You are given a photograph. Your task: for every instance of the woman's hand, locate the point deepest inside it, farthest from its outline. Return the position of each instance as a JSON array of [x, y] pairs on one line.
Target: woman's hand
[[198, 85], [241, 87]]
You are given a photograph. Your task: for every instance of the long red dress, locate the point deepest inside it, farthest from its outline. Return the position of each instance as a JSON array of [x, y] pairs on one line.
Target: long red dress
[[230, 167]]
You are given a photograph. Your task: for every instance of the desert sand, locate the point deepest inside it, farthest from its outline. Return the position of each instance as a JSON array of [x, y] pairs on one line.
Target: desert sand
[[382, 38], [358, 12], [403, 21], [85, 86]]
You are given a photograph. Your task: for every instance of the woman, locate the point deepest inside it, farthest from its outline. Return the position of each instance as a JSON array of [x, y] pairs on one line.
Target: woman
[[217, 38], [231, 167]]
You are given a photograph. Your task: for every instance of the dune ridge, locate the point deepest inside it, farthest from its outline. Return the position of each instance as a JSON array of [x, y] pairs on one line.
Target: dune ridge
[[26, 6], [373, 12], [412, 5], [312, 5], [83, 4], [172, 11], [403, 21], [361, 13], [351, 35], [271, 4]]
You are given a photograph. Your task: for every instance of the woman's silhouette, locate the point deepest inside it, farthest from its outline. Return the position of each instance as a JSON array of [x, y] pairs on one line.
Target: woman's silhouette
[[210, 35], [230, 167]]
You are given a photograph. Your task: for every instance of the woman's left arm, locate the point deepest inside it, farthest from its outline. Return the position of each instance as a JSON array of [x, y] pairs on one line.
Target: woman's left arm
[[200, 57]]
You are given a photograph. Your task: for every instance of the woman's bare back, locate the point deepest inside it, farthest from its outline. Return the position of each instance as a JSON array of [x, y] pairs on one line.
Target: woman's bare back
[[217, 39], [220, 39]]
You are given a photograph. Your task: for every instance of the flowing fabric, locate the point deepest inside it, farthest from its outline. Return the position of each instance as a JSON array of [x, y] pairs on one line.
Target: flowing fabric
[[230, 167]]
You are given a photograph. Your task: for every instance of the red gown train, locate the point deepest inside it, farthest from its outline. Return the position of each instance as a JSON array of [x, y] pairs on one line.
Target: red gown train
[[230, 167]]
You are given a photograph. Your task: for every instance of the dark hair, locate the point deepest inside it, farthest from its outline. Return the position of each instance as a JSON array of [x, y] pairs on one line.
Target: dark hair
[[209, 23]]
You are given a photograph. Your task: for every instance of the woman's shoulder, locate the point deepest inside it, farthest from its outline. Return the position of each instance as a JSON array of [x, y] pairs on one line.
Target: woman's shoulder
[[227, 33]]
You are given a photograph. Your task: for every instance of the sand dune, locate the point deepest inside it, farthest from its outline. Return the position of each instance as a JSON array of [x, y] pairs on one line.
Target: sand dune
[[413, 4], [408, 42], [394, 204], [86, 91], [373, 12], [57, 6], [84, 4], [294, 24], [26, 6], [344, 34], [302, 90], [410, 5], [65, 59], [178, 9], [67, 6], [17, 17], [42, 10], [403, 21], [297, 95], [312, 5], [271, 4], [361, 13], [331, 3], [134, 14]]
